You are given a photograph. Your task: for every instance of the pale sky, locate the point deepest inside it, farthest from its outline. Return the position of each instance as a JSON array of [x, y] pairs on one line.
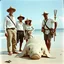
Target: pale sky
[[33, 9]]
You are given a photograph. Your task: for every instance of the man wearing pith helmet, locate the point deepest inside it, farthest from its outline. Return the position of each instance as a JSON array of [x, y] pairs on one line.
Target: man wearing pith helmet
[[10, 31], [47, 29]]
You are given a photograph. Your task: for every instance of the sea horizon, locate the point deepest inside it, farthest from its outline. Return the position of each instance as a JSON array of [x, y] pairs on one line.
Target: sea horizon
[[35, 30]]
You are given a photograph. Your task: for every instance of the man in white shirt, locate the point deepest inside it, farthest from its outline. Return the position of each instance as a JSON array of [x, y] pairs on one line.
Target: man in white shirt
[[10, 31], [48, 30], [20, 31]]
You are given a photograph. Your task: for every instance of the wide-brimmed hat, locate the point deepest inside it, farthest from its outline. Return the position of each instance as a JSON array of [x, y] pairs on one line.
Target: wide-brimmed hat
[[45, 13], [21, 17], [28, 20], [11, 8]]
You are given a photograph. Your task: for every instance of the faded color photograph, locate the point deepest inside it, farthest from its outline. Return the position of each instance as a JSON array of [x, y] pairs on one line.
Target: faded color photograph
[[31, 31]]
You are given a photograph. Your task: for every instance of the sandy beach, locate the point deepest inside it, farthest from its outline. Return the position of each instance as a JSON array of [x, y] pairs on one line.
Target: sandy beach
[[39, 12], [56, 51]]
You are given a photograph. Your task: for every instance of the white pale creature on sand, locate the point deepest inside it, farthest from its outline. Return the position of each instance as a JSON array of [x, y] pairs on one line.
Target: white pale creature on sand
[[35, 48]]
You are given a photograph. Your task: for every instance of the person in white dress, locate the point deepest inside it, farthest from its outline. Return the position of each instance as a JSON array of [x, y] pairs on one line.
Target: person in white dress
[[28, 29]]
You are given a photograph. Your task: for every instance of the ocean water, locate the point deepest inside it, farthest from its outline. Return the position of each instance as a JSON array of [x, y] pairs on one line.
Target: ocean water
[[58, 43]]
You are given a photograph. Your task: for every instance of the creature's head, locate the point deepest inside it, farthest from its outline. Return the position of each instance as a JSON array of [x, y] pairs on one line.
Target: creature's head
[[35, 51]]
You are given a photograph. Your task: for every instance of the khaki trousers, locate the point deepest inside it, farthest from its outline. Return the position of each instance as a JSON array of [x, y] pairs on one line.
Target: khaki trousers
[[11, 40]]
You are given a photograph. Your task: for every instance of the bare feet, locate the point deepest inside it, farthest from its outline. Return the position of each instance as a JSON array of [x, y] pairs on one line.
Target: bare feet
[[20, 50], [6, 34], [9, 53], [15, 52]]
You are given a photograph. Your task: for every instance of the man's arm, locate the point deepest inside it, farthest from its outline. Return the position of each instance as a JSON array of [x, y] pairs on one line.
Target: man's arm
[[55, 26], [5, 24], [42, 29]]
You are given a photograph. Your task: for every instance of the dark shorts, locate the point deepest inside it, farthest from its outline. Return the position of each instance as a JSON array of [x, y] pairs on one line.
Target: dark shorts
[[20, 36], [47, 37]]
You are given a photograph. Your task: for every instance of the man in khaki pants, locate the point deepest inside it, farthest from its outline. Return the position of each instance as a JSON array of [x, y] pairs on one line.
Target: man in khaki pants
[[10, 31]]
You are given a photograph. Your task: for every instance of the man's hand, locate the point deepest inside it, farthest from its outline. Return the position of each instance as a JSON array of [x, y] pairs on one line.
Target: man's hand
[[6, 34], [54, 30], [42, 30]]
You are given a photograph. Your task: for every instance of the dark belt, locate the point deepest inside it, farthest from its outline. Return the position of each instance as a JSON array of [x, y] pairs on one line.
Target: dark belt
[[20, 30], [46, 29], [10, 28]]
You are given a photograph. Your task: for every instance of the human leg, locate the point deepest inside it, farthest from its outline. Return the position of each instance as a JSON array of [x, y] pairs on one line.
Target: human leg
[[14, 42], [21, 40], [9, 42]]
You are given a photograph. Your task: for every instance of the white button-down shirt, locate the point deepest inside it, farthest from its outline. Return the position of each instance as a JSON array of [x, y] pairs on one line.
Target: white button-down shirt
[[8, 23], [49, 23], [20, 26]]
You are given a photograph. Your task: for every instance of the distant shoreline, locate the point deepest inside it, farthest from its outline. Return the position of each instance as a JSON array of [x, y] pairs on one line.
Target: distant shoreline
[[37, 29]]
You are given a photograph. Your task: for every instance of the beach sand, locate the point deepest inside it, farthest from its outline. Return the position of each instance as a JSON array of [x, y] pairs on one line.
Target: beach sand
[[56, 51]]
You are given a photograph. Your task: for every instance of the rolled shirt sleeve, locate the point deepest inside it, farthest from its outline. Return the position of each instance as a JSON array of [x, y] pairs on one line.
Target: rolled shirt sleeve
[[53, 21], [5, 24], [24, 28], [43, 23]]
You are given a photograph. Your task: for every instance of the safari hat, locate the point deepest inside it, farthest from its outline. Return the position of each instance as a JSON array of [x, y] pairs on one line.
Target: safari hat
[[28, 20], [21, 17], [11, 8], [45, 13]]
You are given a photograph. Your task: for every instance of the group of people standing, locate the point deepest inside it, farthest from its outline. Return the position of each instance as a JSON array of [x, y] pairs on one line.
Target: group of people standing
[[17, 31]]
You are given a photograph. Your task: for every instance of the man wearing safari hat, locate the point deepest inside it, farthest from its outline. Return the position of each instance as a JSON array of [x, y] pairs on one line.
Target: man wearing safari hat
[[20, 30], [10, 31], [47, 29]]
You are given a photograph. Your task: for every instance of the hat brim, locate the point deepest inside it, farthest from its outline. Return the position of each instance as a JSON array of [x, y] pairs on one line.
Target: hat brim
[[28, 20], [8, 10], [45, 14], [21, 17]]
